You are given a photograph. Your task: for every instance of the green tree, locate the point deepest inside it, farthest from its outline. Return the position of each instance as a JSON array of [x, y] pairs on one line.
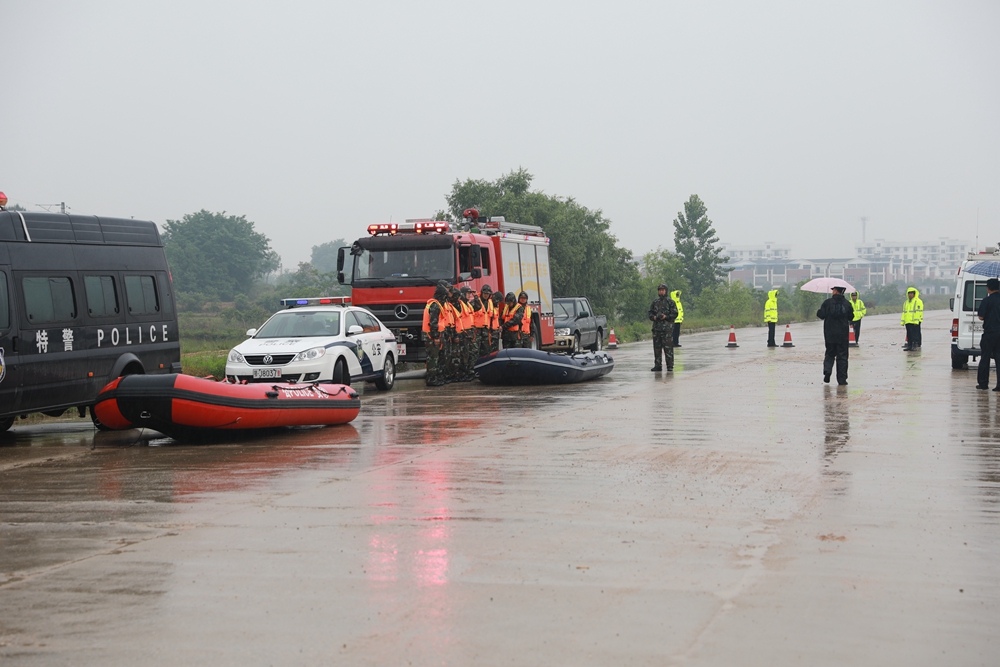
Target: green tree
[[584, 257], [663, 266], [695, 242], [217, 255], [324, 255], [733, 302]]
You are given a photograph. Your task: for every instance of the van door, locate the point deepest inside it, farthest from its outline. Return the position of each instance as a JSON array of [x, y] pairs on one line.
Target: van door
[[10, 367]]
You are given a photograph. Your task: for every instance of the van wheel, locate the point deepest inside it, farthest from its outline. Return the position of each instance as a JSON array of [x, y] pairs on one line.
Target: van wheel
[[388, 378], [535, 343], [340, 373], [97, 422], [959, 362], [5, 424]]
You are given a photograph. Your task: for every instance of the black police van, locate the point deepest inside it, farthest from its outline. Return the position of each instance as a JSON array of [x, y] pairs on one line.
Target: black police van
[[83, 300]]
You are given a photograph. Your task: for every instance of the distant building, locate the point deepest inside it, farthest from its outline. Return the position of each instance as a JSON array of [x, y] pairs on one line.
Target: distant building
[[878, 263]]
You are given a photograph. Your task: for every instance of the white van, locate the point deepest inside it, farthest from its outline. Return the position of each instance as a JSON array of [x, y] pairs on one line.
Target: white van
[[970, 290]]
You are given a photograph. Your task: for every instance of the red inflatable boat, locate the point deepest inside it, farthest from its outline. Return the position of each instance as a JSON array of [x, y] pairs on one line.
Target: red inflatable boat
[[183, 406]]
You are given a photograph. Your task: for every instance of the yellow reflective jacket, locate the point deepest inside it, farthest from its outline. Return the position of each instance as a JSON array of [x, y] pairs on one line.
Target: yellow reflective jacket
[[771, 307], [676, 296], [913, 309], [858, 306]]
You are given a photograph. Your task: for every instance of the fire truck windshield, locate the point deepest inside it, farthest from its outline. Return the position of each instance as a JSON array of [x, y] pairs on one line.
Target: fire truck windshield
[[400, 265]]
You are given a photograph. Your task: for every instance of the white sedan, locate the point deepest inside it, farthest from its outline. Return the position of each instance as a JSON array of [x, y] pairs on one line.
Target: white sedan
[[317, 340]]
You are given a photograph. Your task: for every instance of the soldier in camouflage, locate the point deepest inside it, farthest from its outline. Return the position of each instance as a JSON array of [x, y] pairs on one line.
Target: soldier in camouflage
[[433, 339], [495, 333], [510, 323], [662, 313], [482, 306], [470, 339], [451, 342]]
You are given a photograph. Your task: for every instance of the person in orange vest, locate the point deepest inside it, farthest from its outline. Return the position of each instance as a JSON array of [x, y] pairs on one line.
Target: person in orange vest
[[470, 340], [525, 338], [510, 322], [435, 323], [452, 364], [495, 324], [483, 317]]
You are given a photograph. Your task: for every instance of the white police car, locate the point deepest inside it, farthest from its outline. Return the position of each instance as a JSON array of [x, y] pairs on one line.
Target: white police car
[[317, 340]]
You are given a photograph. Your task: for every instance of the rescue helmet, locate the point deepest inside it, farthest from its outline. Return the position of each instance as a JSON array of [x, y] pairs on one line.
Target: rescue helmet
[[486, 289], [440, 292], [661, 286], [497, 298], [510, 298], [466, 289], [522, 295]]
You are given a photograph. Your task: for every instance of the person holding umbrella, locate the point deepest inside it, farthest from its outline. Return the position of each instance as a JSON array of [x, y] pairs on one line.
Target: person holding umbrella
[[837, 315]]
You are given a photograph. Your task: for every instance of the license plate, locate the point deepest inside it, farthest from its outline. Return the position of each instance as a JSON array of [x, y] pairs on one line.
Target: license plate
[[977, 327], [266, 373], [402, 349]]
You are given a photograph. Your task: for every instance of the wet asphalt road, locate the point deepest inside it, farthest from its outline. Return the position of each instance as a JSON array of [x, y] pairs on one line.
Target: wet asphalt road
[[737, 512]]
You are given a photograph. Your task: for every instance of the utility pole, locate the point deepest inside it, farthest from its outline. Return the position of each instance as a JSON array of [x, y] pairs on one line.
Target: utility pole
[[864, 223]]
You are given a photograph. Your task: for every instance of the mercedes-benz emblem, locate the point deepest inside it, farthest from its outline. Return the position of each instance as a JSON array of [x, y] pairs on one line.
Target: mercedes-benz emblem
[[401, 312], [268, 359]]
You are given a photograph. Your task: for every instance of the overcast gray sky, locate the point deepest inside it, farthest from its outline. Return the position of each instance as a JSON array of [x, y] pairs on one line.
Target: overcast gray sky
[[315, 119]]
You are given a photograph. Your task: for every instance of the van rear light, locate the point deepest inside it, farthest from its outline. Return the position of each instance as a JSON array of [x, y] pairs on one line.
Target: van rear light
[[954, 328]]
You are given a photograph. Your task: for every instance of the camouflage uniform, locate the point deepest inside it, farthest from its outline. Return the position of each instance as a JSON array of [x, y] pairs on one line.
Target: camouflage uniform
[[470, 340], [663, 312], [511, 329], [479, 304], [495, 333], [433, 340], [453, 344]]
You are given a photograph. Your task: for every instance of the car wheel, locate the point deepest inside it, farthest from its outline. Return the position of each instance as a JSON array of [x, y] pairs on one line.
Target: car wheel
[[534, 344], [577, 348], [959, 361], [340, 373], [388, 378], [599, 344], [5, 424]]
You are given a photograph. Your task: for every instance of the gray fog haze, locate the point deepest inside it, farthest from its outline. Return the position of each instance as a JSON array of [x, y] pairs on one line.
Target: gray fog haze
[[315, 119]]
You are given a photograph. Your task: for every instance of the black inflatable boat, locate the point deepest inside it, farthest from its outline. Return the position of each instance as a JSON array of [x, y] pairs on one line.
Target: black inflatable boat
[[522, 366]]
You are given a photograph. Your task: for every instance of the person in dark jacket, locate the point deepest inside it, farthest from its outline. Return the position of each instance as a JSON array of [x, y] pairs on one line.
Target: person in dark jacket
[[662, 313], [837, 315], [989, 313]]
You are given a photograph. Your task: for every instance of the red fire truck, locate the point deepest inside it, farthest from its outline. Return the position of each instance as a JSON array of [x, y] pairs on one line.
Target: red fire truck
[[393, 270]]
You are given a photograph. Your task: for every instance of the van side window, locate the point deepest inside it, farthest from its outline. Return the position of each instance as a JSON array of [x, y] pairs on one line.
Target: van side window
[[141, 294], [4, 302], [48, 299], [369, 322], [102, 297], [351, 321]]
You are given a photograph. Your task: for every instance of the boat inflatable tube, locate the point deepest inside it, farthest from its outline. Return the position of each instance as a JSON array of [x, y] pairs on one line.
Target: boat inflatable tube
[[186, 406], [524, 366]]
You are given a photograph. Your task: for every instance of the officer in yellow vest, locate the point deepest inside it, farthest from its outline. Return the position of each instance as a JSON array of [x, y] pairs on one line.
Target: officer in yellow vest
[[676, 296], [859, 311]]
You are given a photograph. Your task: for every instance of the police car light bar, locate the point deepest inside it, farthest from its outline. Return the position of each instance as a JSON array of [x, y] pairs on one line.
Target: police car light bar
[[317, 301]]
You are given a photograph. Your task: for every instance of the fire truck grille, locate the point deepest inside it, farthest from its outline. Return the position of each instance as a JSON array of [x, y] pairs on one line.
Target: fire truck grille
[[389, 313], [276, 359]]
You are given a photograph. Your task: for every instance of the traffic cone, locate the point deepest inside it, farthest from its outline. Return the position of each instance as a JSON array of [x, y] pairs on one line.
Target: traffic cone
[[788, 336], [851, 340], [732, 337], [612, 341]]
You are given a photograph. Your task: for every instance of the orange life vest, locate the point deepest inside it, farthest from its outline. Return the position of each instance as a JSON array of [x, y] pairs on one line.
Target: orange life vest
[[508, 313], [454, 319], [442, 319], [468, 315], [481, 318], [526, 321], [494, 315]]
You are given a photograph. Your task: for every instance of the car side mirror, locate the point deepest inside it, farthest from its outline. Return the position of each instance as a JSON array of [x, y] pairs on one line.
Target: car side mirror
[[477, 272], [583, 315], [354, 330], [251, 333], [340, 258], [340, 277]]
